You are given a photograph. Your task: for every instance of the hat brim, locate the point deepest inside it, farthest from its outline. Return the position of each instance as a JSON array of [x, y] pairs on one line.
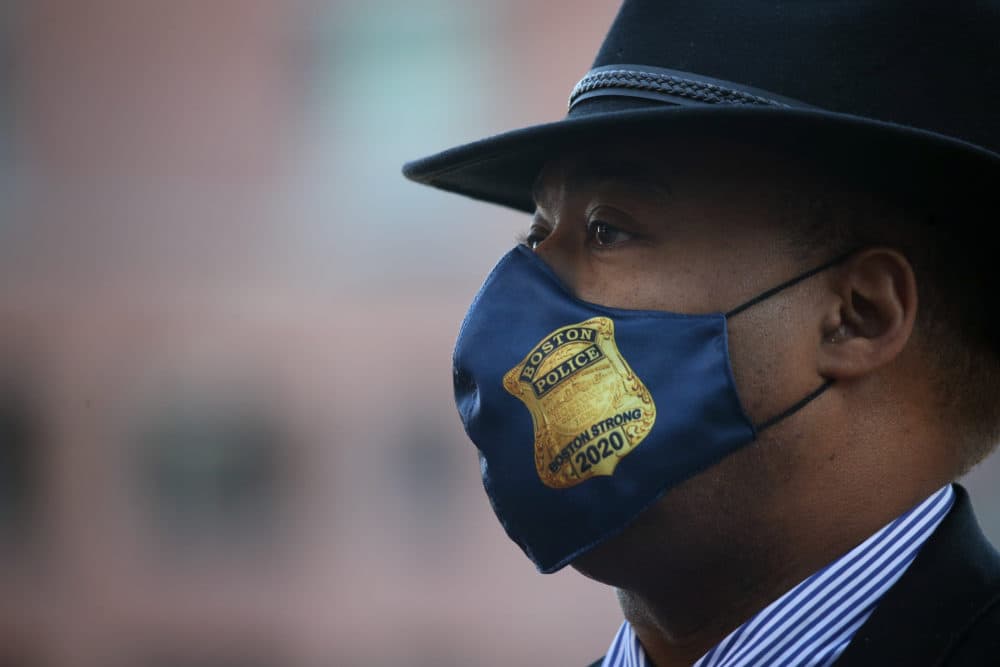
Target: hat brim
[[502, 169]]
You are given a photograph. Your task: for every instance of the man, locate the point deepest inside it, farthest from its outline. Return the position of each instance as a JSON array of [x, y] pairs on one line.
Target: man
[[748, 343]]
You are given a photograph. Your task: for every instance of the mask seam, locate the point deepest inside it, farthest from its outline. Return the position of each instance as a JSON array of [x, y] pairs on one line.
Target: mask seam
[[731, 379]]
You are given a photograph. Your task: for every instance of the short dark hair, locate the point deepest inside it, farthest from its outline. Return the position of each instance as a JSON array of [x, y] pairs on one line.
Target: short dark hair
[[958, 315]]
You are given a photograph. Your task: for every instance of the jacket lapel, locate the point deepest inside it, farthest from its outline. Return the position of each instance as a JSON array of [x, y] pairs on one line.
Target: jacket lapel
[[921, 620]]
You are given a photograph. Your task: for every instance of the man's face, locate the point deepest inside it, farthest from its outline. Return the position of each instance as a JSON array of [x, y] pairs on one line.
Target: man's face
[[683, 230], [692, 230]]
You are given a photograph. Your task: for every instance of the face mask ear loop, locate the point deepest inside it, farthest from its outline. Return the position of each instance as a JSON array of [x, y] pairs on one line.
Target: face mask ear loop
[[795, 408], [785, 285], [769, 293]]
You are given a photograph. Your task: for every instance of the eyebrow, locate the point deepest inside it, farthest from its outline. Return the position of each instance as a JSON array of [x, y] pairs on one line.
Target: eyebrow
[[629, 174]]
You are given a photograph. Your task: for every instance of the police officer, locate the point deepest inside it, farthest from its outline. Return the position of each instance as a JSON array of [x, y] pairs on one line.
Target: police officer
[[748, 343]]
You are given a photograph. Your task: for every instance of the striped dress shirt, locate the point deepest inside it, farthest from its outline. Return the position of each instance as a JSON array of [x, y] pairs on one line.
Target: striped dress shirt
[[812, 624]]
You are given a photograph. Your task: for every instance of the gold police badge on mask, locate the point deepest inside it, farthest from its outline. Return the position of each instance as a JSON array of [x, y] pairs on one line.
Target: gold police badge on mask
[[588, 406]]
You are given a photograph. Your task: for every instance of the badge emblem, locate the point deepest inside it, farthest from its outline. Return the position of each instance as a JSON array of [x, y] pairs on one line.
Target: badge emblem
[[588, 406]]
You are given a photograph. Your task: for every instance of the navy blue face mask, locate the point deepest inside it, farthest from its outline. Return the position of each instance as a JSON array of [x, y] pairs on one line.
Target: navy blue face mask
[[585, 415]]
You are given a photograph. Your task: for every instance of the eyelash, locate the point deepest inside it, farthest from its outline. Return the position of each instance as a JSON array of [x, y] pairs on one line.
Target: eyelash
[[526, 238], [536, 234], [593, 231]]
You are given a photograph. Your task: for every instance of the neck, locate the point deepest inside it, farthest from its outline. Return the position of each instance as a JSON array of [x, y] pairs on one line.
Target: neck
[[671, 638], [718, 548], [681, 608], [678, 624]]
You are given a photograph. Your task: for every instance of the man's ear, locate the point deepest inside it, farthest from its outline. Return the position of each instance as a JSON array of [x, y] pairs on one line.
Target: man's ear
[[870, 318]]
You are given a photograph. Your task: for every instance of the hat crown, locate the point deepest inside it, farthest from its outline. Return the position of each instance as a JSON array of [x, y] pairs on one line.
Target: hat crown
[[901, 96], [930, 65]]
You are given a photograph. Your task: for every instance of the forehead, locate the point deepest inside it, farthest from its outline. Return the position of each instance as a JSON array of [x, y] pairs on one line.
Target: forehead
[[581, 170], [676, 168]]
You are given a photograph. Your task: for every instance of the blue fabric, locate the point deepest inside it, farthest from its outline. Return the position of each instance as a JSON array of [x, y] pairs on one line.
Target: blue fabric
[[683, 362]]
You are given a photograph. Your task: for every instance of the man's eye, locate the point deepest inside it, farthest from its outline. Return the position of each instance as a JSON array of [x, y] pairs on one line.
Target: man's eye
[[534, 237], [604, 235]]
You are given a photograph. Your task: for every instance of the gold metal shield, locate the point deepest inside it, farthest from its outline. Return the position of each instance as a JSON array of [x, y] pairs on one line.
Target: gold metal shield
[[588, 406]]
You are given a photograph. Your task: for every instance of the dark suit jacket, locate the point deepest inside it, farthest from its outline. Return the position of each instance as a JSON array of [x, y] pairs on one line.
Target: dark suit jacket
[[945, 610]]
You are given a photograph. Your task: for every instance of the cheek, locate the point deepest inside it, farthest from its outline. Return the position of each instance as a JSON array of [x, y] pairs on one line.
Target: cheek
[[773, 356], [626, 286], [620, 291]]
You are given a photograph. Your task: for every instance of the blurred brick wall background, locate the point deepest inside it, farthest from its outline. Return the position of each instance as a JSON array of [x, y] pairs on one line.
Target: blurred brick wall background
[[225, 333]]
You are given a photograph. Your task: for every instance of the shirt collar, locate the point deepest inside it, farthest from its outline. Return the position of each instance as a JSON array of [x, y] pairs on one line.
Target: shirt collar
[[813, 623]]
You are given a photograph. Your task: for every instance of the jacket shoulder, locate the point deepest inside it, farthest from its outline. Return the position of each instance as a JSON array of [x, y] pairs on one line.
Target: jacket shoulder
[[980, 644]]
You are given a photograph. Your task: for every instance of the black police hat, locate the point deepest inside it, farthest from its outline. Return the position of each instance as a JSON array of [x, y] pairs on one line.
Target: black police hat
[[901, 91]]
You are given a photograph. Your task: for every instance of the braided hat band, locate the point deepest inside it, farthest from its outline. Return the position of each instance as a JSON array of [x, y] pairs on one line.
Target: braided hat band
[[671, 86]]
